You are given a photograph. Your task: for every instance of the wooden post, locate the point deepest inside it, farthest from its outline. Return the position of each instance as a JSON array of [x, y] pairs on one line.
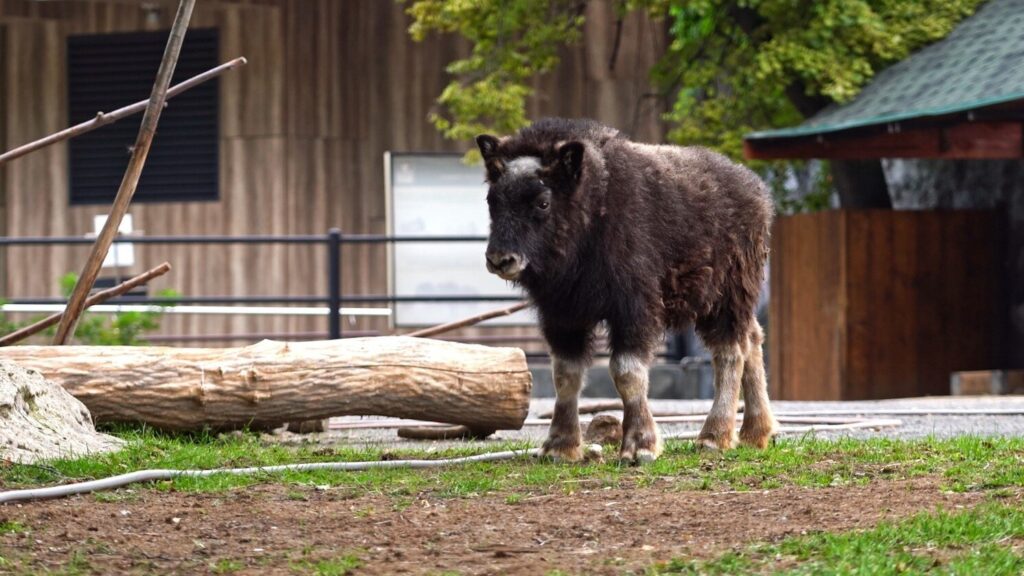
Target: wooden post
[[104, 118], [97, 298], [131, 176]]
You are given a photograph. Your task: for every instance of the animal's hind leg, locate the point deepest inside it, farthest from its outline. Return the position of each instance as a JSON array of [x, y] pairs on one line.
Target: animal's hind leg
[[640, 439], [719, 431], [758, 421]]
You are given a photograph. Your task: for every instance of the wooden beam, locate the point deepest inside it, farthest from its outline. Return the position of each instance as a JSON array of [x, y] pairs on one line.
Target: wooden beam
[[959, 140]]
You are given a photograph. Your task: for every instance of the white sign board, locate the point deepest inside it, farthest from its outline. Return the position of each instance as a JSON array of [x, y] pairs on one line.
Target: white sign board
[[121, 254], [439, 195]]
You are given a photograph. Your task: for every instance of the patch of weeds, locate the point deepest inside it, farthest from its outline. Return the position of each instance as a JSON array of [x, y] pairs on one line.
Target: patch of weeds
[[401, 503], [339, 566], [226, 566], [513, 499], [78, 563], [969, 542], [296, 495], [12, 527]]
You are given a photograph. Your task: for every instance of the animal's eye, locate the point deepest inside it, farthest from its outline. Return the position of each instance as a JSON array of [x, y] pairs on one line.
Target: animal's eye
[[544, 205]]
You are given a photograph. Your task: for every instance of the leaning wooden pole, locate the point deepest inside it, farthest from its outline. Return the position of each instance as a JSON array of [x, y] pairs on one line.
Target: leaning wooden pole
[[97, 298], [270, 383], [104, 118], [465, 322], [131, 176]]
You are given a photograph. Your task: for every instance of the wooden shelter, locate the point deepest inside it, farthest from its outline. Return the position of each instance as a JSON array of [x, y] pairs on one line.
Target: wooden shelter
[[879, 304]]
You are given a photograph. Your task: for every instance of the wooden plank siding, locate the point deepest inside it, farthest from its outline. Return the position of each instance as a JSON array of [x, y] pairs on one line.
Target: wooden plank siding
[[330, 86], [883, 304]]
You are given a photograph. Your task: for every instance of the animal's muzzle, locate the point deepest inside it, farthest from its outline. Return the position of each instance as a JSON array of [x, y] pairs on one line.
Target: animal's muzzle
[[505, 264]]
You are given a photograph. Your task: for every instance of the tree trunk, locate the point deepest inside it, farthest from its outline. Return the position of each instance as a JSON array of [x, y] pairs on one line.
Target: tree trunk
[[861, 184], [271, 383]]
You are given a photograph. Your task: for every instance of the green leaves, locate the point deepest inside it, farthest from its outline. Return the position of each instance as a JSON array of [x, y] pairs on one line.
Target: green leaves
[[731, 66], [512, 42]]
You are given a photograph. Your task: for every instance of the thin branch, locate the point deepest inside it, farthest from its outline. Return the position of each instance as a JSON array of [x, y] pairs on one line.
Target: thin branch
[[104, 118], [426, 332], [97, 298]]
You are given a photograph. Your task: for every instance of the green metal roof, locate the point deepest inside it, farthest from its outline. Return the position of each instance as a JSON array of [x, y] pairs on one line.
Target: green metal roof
[[980, 63]]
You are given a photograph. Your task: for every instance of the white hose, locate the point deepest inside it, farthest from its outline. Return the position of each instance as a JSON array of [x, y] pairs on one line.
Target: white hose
[[153, 475]]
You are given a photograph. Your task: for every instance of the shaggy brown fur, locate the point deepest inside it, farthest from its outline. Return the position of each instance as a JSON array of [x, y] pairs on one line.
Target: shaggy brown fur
[[600, 229]]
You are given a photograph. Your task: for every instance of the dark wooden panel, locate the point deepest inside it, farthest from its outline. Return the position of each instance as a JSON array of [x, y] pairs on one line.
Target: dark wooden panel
[[4, 288], [805, 345], [887, 305]]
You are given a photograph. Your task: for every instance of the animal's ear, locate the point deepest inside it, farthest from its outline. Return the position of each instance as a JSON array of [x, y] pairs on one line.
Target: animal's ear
[[570, 159], [489, 150], [488, 145]]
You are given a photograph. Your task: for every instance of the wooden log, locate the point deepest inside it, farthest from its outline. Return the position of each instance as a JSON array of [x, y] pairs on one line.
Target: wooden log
[[270, 383]]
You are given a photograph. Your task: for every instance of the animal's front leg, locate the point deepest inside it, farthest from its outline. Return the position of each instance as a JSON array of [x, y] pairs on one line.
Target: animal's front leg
[[640, 439], [564, 438]]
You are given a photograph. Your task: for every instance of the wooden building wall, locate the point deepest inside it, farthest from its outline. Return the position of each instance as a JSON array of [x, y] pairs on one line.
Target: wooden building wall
[[884, 304], [330, 86]]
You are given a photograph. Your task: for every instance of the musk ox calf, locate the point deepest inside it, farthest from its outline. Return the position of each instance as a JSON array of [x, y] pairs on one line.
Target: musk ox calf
[[600, 229]]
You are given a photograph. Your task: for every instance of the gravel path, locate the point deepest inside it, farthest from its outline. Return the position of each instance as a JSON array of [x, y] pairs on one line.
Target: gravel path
[[913, 426]]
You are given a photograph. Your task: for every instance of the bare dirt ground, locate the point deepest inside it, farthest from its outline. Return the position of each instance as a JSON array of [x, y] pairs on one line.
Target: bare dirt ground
[[273, 529]]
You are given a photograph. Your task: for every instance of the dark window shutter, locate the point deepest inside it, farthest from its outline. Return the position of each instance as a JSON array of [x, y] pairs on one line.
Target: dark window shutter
[[109, 71]]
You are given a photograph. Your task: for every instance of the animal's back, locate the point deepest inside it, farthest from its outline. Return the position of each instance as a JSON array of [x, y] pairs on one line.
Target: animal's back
[[706, 218]]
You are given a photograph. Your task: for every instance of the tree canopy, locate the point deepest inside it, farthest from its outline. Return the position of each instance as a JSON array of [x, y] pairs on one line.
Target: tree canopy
[[732, 66]]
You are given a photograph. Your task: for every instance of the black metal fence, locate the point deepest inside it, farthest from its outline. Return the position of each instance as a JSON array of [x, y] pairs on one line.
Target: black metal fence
[[334, 239], [334, 297]]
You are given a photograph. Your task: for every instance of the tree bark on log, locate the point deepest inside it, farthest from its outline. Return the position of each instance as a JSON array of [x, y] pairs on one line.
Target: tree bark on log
[[270, 383]]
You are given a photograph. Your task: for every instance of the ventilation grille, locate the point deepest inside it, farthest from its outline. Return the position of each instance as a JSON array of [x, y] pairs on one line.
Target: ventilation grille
[[109, 71]]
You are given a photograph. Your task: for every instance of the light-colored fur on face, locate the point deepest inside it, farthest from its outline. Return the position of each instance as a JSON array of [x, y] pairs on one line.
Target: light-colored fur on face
[[522, 166]]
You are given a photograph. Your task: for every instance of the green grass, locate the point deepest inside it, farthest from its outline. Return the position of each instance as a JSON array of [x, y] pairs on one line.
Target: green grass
[[226, 566], [966, 463], [12, 527], [986, 540], [331, 567]]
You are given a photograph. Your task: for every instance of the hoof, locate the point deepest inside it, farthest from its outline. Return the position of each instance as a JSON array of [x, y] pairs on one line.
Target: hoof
[[757, 438], [562, 450], [593, 453], [708, 443], [641, 448]]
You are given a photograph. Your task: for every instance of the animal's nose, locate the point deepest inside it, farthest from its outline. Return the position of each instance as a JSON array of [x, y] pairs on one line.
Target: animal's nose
[[501, 260]]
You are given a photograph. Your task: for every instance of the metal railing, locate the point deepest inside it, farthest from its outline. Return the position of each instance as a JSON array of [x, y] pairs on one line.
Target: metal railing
[[333, 240]]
